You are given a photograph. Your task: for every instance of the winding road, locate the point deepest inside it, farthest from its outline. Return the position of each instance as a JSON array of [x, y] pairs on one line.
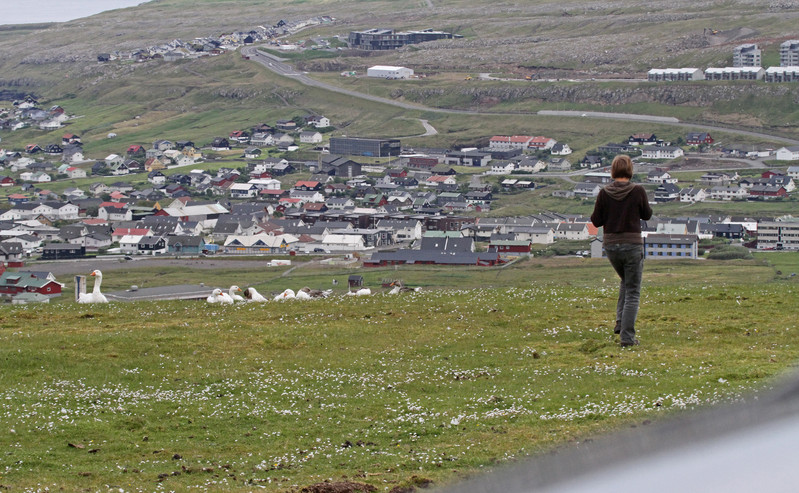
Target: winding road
[[280, 67]]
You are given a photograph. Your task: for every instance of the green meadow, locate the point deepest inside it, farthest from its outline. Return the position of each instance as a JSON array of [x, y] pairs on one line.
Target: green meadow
[[481, 367]]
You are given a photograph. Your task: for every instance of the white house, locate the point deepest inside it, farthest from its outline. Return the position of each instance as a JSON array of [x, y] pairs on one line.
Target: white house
[[661, 152], [112, 159], [571, 231], [343, 243], [73, 172], [243, 190], [389, 72], [531, 165], [502, 168], [36, 177], [793, 172], [691, 195], [67, 211], [541, 143], [319, 121], [504, 142], [660, 177], [262, 139], [265, 183], [129, 244], [560, 150], [788, 153], [310, 137], [728, 193], [587, 190], [115, 212]]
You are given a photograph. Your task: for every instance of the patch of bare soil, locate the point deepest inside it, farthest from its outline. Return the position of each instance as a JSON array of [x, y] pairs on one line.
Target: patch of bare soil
[[730, 35], [338, 487]]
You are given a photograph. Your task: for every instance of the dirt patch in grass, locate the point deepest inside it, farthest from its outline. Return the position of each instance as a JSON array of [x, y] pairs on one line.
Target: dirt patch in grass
[[338, 487]]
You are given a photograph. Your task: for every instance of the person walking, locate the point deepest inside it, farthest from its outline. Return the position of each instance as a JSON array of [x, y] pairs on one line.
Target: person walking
[[619, 208]]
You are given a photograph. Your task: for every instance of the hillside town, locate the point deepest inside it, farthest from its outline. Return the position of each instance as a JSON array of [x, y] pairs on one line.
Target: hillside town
[[373, 198]]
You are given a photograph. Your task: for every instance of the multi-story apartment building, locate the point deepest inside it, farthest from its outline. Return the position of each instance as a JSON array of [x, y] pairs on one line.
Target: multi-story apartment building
[[789, 53], [387, 39], [778, 235], [746, 55]]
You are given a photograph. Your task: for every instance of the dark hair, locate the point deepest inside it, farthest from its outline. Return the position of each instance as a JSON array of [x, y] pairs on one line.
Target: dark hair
[[622, 167]]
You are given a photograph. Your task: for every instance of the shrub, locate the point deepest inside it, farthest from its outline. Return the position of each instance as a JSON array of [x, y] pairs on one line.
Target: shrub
[[729, 253]]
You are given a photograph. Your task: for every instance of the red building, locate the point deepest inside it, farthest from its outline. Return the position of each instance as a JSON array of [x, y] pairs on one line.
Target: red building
[[698, 138], [510, 247], [14, 283]]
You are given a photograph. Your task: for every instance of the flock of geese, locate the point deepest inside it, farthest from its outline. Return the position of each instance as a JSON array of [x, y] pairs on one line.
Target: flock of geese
[[250, 294]]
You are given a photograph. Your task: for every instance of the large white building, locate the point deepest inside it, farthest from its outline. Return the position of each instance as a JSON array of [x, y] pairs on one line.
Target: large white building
[[389, 72], [789, 53], [778, 235], [674, 74], [735, 73], [782, 74], [787, 153], [661, 152], [746, 55]]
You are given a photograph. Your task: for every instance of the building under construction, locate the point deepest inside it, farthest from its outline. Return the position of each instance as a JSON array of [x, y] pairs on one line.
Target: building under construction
[[387, 39]]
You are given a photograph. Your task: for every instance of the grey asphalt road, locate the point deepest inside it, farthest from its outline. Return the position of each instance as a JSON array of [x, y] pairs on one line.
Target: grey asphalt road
[[62, 268], [280, 67]]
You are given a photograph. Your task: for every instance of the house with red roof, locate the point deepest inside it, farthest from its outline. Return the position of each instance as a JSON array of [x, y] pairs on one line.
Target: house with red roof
[[308, 186], [542, 143], [118, 233], [136, 150], [506, 143]]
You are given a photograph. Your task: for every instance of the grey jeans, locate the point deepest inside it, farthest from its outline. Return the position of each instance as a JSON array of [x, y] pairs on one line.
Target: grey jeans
[[628, 262]]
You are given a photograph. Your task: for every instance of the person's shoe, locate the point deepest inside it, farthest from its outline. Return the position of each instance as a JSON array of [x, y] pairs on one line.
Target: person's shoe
[[617, 329], [634, 342]]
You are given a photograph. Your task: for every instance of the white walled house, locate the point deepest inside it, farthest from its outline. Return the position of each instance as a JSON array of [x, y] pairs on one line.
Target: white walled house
[[243, 190], [73, 172], [571, 231], [728, 193], [787, 154], [560, 150], [319, 121], [661, 152], [691, 195], [502, 168], [310, 137], [129, 244], [35, 177]]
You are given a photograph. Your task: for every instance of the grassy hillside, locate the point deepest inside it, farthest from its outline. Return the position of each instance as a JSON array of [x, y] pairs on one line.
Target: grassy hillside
[[201, 99], [392, 391]]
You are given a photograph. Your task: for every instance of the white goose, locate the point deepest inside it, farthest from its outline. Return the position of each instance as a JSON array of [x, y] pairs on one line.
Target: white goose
[[253, 295], [233, 295], [214, 296], [302, 295], [285, 295], [360, 292], [95, 296]]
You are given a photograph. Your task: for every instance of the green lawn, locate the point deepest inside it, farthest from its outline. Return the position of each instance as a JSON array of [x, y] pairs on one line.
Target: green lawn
[[482, 367]]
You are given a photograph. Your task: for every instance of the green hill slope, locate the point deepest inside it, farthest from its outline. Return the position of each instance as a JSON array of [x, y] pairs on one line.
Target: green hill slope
[[200, 99], [385, 390]]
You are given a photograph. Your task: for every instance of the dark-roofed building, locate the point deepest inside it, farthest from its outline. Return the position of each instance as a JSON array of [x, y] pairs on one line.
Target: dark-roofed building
[[62, 251]]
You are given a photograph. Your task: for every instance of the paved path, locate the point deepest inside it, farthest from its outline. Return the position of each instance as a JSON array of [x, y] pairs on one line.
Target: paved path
[[280, 67]]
